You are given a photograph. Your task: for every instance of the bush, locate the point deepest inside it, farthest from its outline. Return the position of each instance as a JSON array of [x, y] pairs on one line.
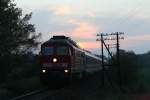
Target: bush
[[128, 68], [19, 67]]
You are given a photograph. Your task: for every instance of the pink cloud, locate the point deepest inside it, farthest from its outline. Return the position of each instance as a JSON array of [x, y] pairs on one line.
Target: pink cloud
[[126, 43], [89, 45], [83, 29]]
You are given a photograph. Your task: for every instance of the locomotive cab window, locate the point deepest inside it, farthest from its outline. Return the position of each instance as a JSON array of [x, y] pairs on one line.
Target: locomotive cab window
[[62, 51], [47, 51]]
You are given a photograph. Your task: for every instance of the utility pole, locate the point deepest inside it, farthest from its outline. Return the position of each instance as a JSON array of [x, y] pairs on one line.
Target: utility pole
[[118, 58], [102, 39], [103, 69]]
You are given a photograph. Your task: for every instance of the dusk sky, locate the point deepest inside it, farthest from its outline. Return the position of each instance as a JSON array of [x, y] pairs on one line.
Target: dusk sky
[[83, 19]]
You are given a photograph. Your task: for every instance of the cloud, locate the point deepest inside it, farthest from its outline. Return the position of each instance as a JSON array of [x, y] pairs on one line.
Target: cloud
[[134, 41], [145, 37], [83, 29], [89, 45], [130, 43], [62, 10], [83, 33], [91, 14]]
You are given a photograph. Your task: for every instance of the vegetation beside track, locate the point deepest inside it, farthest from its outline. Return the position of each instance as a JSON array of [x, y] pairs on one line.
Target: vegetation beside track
[[19, 87]]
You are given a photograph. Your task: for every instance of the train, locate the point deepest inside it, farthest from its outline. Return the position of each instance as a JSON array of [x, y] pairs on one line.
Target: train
[[62, 59]]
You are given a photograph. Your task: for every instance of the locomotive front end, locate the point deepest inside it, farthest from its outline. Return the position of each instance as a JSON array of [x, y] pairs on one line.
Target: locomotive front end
[[55, 61]]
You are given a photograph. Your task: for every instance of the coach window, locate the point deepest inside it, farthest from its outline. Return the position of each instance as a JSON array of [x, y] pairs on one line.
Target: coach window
[[47, 51], [62, 50]]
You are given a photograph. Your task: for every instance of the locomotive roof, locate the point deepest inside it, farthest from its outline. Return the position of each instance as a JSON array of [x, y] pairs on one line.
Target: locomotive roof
[[62, 39]]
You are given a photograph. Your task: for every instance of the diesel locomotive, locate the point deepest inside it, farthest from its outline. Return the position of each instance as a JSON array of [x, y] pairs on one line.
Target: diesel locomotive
[[62, 59]]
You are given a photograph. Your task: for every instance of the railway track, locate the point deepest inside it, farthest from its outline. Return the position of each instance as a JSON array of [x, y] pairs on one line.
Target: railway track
[[38, 95], [78, 90]]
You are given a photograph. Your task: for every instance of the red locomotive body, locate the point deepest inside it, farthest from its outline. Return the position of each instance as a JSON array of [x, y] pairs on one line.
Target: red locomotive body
[[62, 59]]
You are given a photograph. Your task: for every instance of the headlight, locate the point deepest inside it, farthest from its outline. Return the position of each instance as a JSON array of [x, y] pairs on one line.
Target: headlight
[[43, 71], [54, 59], [66, 71]]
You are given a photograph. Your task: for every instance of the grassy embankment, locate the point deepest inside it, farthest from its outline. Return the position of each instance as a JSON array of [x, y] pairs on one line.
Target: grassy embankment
[[15, 88]]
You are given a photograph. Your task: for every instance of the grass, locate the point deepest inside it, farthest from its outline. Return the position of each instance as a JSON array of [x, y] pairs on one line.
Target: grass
[[19, 87]]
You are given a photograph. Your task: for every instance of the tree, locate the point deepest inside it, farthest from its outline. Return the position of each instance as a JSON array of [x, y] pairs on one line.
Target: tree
[[17, 35]]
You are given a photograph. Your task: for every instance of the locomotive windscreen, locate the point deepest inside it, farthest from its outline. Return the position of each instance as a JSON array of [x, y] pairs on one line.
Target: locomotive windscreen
[[57, 50], [62, 51], [47, 51]]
